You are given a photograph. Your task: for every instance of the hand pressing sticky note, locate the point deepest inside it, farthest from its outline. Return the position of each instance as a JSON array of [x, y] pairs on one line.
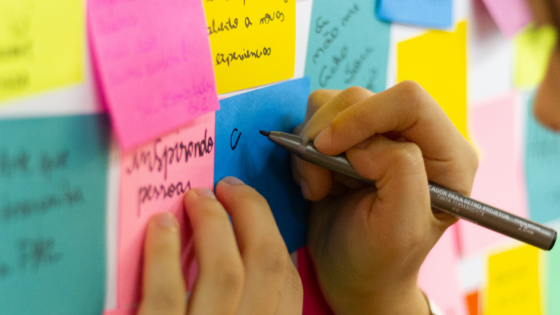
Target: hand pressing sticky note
[[154, 62], [253, 42], [347, 46], [53, 182], [427, 13], [513, 282], [41, 45], [532, 52], [241, 151], [437, 60], [542, 163], [498, 181], [154, 178]]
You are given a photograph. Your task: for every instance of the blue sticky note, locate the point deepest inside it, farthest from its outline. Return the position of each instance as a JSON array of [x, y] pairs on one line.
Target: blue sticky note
[[347, 46], [542, 170], [52, 215], [241, 151], [426, 13]]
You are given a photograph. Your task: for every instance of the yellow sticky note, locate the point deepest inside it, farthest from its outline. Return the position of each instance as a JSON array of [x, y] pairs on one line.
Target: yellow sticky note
[[41, 45], [438, 61], [253, 41], [513, 282], [533, 47]]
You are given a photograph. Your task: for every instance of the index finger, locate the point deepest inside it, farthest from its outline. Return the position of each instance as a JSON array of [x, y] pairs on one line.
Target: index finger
[[409, 110]]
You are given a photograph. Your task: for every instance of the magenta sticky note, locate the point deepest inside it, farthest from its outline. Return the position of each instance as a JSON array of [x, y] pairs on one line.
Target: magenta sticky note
[[439, 275], [499, 179], [313, 301], [510, 15], [153, 179], [154, 64]]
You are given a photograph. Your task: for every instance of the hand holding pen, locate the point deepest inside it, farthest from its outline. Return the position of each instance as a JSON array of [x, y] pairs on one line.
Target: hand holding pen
[[368, 245]]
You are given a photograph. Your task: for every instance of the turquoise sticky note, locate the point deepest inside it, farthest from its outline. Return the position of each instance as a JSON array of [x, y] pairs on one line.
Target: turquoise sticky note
[[241, 151], [347, 46], [52, 213], [542, 166], [425, 13]]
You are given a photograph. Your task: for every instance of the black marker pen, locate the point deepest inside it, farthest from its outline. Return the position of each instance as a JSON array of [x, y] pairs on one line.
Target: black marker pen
[[442, 198]]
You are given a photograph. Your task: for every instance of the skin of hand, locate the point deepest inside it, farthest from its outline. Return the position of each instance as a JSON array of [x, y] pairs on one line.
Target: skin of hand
[[367, 244], [243, 269]]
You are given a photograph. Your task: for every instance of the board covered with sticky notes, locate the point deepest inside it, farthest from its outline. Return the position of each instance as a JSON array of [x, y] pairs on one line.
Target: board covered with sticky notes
[[181, 89]]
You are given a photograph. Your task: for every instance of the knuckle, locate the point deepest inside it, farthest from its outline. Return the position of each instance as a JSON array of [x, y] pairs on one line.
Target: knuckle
[[407, 153], [316, 99], [272, 258], [353, 95], [412, 92], [227, 273]]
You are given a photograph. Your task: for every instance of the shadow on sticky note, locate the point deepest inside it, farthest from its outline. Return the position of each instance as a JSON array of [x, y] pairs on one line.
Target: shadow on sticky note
[[241, 151]]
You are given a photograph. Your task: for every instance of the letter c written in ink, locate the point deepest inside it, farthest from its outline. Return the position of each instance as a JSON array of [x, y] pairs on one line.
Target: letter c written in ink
[[233, 146]]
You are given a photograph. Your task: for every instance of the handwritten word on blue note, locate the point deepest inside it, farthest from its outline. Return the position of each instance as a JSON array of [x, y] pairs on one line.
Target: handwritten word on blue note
[[241, 151], [542, 166], [347, 46], [52, 213], [427, 13]]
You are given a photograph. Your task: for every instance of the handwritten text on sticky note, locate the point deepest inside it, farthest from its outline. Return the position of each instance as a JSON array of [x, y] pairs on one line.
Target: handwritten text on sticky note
[[52, 215], [41, 45], [154, 178], [253, 42], [154, 62], [513, 282], [438, 61], [347, 46]]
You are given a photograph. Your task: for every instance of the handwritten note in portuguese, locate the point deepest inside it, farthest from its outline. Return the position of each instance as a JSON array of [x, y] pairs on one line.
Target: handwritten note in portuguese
[[41, 46], [153, 58], [347, 46], [253, 42], [52, 215], [154, 177]]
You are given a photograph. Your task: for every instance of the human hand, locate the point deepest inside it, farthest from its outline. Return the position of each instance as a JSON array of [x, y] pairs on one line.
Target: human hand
[[368, 244], [242, 270]]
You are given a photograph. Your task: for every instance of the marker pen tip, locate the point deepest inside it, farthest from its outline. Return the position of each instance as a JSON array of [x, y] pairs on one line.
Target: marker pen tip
[[264, 133]]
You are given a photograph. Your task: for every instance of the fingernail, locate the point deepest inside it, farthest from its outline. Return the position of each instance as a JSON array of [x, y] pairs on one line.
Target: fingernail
[[205, 193], [166, 220], [230, 180], [323, 139], [305, 190]]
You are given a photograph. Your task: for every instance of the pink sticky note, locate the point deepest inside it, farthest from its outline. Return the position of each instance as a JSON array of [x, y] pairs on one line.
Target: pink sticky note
[[510, 15], [153, 178], [439, 275], [154, 62], [498, 181], [313, 301]]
